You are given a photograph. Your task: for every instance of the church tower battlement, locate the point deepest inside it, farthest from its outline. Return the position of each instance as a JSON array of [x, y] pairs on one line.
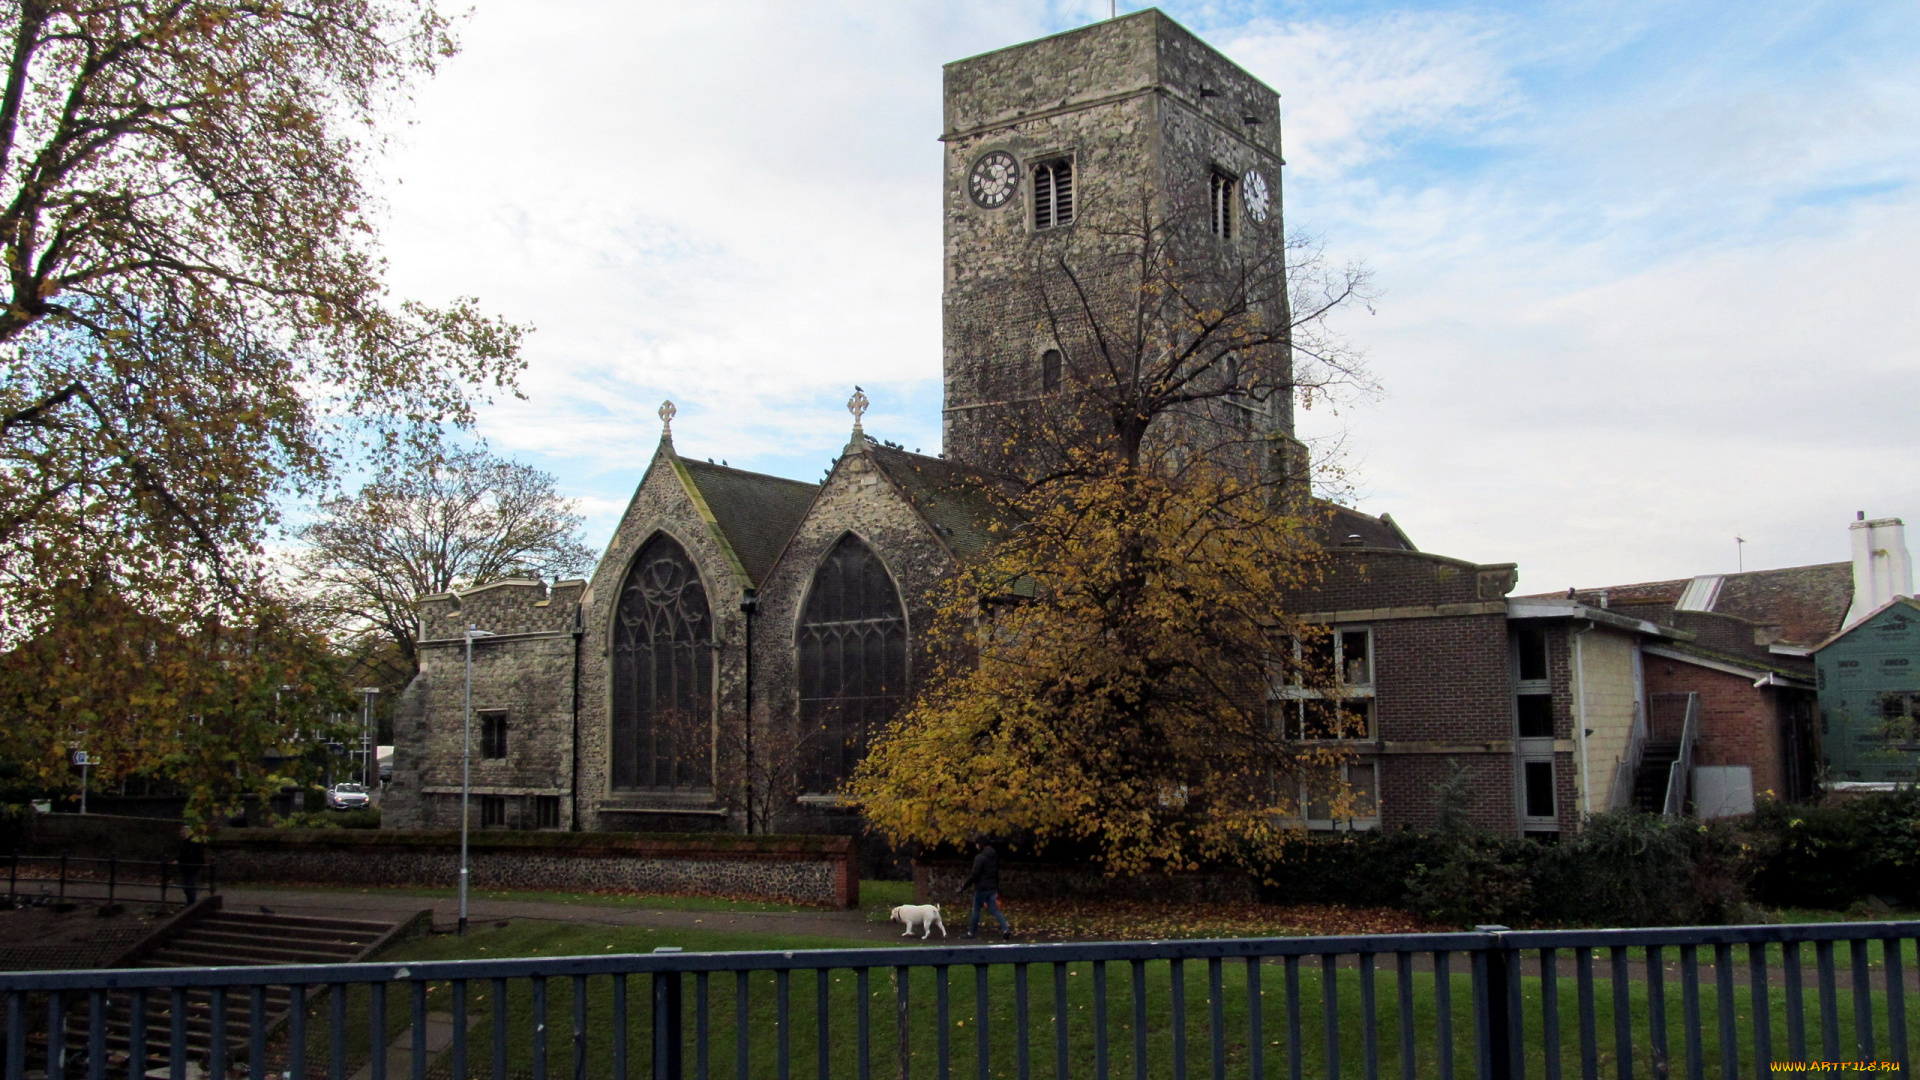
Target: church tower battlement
[[1045, 137]]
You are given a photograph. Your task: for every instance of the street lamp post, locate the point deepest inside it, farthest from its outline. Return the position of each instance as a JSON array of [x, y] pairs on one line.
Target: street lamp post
[[466, 770], [367, 741]]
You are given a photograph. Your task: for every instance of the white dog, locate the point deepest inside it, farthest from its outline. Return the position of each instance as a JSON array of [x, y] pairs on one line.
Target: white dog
[[923, 917]]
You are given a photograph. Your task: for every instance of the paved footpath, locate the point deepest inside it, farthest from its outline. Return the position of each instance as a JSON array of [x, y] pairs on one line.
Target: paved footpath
[[854, 926]]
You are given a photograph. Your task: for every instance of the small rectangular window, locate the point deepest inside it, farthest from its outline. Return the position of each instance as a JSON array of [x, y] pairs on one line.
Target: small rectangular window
[[1356, 657], [493, 734], [1530, 644], [1539, 789], [1535, 715], [493, 811], [1220, 204], [1053, 193], [546, 811]]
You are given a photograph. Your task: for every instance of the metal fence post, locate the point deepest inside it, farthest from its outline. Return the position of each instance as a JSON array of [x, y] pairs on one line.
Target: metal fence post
[[113, 874], [1502, 1050], [63, 875], [13, 879], [666, 1023], [165, 865]]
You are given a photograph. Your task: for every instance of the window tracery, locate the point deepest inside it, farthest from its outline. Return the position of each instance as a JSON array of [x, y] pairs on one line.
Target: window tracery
[[662, 673]]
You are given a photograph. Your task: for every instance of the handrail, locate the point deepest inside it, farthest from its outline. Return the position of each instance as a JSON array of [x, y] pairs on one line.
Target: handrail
[[1680, 773], [1630, 763]]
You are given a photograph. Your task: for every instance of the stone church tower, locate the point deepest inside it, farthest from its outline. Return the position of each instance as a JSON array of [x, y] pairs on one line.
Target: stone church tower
[[732, 606], [1053, 144]]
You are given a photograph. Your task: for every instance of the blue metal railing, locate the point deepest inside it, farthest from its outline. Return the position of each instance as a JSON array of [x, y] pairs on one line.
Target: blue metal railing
[[335, 1022]]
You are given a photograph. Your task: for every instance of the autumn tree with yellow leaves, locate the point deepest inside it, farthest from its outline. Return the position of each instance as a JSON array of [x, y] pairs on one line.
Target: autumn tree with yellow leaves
[[1105, 675], [196, 329]]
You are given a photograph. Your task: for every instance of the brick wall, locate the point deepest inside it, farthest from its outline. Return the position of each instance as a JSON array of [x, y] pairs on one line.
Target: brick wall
[[1740, 724]]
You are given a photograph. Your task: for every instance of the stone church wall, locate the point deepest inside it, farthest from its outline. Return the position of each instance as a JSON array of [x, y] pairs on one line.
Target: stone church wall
[[526, 668], [857, 498], [660, 504], [804, 869]]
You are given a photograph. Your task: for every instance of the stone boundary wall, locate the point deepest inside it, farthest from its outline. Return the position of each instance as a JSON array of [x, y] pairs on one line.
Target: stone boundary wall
[[935, 880], [800, 869]]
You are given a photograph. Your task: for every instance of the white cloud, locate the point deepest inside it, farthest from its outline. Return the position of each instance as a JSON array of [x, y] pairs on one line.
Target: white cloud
[[1637, 301]]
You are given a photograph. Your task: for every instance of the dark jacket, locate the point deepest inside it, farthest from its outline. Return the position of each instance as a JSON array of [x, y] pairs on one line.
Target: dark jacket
[[986, 872]]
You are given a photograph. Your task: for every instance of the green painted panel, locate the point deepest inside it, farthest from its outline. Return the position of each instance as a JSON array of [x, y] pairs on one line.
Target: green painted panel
[[1869, 684]]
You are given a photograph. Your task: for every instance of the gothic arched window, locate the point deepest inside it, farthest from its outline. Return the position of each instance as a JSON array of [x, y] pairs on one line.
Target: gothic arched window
[[853, 660], [662, 673]]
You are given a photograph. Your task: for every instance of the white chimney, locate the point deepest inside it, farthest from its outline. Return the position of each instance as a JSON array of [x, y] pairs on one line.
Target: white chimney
[[1882, 569]]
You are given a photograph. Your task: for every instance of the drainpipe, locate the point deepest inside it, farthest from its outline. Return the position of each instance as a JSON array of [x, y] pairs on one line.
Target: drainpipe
[[748, 605], [1580, 720], [573, 754]]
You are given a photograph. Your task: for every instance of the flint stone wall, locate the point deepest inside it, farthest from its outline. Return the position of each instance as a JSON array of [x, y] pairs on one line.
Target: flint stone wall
[[936, 880], [806, 869]]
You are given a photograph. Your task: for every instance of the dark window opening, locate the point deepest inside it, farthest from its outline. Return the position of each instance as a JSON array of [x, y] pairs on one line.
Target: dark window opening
[[1053, 193], [662, 673], [1356, 657], [1220, 204], [852, 643], [493, 811], [1532, 648], [1050, 371], [546, 811], [1535, 715], [1538, 776], [493, 734]]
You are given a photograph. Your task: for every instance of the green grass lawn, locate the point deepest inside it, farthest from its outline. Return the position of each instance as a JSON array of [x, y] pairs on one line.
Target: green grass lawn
[[924, 1034]]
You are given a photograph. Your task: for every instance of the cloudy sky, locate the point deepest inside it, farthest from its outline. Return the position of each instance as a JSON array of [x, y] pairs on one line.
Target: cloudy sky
[[1651, 271]]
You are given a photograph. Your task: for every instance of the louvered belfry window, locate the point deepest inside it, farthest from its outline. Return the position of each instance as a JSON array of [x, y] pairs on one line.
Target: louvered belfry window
[[1053, 193], [1220, 204], [853, 661], [662, 673]]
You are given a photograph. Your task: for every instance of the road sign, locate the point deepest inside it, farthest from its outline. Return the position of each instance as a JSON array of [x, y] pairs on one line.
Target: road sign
[[82, 758]]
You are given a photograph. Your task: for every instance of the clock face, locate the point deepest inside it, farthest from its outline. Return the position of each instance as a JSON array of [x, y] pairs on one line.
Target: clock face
[[1253, 188], [994, 179]]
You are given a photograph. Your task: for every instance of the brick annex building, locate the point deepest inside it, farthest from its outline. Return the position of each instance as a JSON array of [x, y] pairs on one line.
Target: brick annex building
[[727, 594]]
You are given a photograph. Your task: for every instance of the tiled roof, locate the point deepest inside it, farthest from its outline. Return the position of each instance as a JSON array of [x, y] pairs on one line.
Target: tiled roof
[[756, 512], [955, 500], [1807, 603]]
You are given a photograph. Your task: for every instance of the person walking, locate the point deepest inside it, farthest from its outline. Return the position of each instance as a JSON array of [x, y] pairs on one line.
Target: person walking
[[985, 883], [192, 859]]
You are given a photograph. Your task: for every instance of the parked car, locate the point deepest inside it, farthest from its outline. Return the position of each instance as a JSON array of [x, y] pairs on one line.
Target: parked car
[[347, 797]]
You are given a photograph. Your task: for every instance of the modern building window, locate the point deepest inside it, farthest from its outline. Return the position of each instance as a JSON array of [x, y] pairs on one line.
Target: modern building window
[[1347, 798], [493, 733], [852, 650], [1530, 654], [1310, 708], [1535, 715], [1053, 193], [1220, 204], [662, 673], [546, 811], [1538, 789], [493, 811], [1050, 362]]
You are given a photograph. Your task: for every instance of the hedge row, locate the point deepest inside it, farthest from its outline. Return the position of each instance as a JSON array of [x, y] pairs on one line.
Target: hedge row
[[1624, 869]]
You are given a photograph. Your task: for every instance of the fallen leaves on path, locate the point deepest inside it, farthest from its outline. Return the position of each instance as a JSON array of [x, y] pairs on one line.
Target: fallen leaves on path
[[1134, 920]]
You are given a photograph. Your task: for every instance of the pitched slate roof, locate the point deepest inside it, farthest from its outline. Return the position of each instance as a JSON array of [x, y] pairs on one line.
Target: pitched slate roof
[[1807, 603], [1346, 527], [756, 513], [954, 500]]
